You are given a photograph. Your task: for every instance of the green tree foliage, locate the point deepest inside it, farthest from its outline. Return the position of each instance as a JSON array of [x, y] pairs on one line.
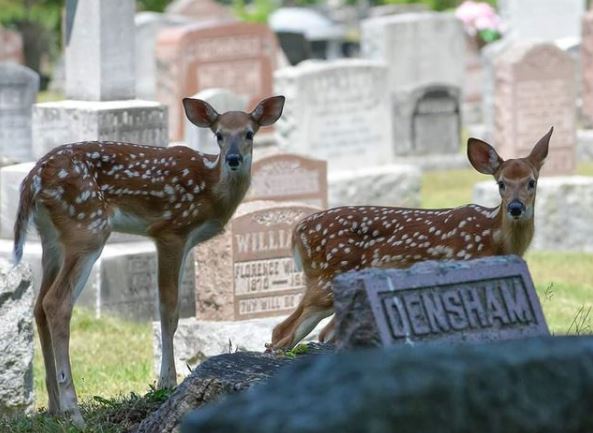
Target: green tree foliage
[[255, 11], [438, 5], [152, 5]]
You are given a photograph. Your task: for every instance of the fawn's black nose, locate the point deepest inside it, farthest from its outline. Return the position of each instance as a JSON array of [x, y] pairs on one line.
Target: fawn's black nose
[[516, 208], [234, 160]]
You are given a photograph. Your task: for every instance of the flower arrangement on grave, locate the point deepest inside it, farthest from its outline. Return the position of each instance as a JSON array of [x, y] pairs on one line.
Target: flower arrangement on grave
[[480, 21]]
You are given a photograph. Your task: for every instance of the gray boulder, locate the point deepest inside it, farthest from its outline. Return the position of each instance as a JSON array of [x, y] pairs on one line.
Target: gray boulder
[[535, 385], [218, 376], [16, 340]]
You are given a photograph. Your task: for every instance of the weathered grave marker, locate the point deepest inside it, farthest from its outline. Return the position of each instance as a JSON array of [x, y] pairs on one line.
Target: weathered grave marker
[[18, 91], [236, 56], [122, 283], [427, 120], [147, 26], [338, 110], [450, 301], [522, 109], [288, 177], [248, 272]]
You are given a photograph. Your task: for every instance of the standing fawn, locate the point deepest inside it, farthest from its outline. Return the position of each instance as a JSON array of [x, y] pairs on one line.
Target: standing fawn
[[79, 193], [338, 240]]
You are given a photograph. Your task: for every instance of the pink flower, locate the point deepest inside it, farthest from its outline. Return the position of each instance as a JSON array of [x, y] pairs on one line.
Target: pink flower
[[477, 16]]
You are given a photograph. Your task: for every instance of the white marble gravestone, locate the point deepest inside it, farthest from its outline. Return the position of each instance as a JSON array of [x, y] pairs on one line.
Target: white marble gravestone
[[419, 48], [148, 25], [336, 110], [18, 91]]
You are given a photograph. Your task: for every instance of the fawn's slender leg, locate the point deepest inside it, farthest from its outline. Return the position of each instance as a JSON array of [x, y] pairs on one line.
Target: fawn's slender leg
[[171, 254], [50, 260], [311, 310], [78, 260], [328, 333]]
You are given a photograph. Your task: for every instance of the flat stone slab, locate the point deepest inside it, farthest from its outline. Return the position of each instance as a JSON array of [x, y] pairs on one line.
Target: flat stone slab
[[131, 121], [530, 386], [123, 281], [197, 340], [11, 177], [443, 302]]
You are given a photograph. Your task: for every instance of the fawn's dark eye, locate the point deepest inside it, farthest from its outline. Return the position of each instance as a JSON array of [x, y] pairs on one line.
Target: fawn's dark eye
[[249, 135], [501, 185], [531, 184], [219, 136]]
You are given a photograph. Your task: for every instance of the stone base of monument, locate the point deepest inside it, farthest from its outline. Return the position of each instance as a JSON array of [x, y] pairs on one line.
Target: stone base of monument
[[387, 185], [132, 121], [197, 340], [10, 183], [436, 162], [123, 281], [16, 340], [584, 145], [563, 211]]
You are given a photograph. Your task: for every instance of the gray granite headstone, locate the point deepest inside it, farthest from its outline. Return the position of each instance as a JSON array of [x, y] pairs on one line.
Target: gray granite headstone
[[427, 120], [466, 301], [18, 91], [335, 110], [99, 41]]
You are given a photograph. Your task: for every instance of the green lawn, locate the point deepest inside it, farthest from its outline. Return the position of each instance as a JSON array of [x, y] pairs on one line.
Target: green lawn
[[111, 357]]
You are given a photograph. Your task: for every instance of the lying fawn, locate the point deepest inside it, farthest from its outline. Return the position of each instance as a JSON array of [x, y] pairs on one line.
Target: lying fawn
[[79, 193], [338, 240]]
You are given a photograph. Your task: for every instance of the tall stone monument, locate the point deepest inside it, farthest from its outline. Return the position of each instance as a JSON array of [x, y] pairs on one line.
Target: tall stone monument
[[100, 83]]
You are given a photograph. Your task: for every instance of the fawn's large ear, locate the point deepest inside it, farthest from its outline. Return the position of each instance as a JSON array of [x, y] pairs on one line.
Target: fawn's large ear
[[199, 112], [268, 111], [540, 150], [483, 156]]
